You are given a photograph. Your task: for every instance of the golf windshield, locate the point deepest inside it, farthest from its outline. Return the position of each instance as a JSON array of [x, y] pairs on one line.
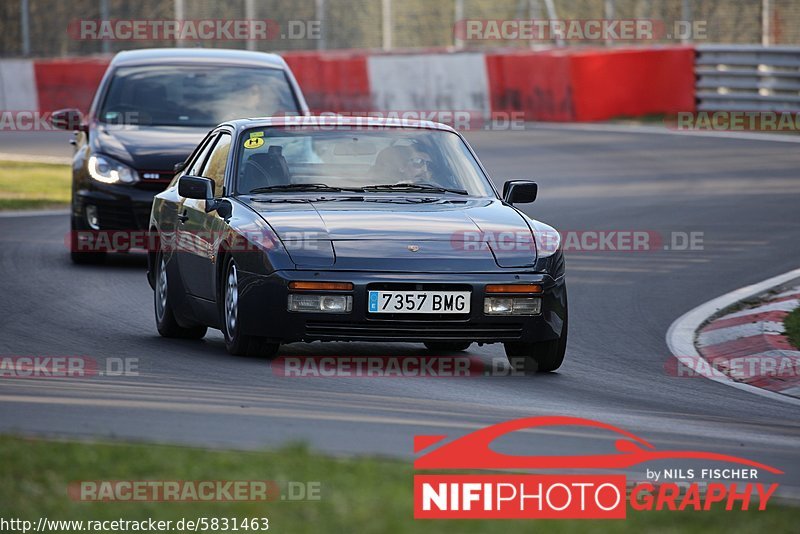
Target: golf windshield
[[192, 95]]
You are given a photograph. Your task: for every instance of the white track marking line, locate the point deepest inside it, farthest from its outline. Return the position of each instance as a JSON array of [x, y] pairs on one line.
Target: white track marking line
[[621, 128], [34, 158], [681, 334], [32, 213]]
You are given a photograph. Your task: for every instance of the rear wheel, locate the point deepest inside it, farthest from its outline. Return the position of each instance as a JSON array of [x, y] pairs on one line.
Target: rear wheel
[[447, 346], [539, 357], [237, 343], [165, 318]]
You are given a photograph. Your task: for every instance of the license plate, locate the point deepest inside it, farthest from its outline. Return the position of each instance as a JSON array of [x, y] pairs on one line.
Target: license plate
[[419, 301]]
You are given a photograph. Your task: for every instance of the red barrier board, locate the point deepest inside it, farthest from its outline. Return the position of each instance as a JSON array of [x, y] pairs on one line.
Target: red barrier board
[[591, 85], [536, 83], [68, 83], [332, 82], [632, 82]]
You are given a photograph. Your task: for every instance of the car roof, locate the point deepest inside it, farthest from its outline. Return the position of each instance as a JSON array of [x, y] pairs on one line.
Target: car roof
[[330, 121], [166, 56]]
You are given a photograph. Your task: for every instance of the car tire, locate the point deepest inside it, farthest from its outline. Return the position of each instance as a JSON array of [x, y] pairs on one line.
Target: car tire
[[538, 357], [165, 318], [447, 346], [236, 342], [78, 257]]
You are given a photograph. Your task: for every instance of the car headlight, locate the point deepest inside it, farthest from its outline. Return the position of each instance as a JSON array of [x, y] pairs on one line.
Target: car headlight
[[110, 171]]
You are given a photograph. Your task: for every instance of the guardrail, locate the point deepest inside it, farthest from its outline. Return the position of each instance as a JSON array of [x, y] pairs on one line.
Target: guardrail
[[747, 78]]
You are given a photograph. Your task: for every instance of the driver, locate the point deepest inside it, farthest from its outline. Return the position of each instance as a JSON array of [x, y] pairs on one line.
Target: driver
[[404, 164]]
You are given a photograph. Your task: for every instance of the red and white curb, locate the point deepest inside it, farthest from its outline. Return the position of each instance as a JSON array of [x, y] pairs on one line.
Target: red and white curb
[[746, 349], [750, 346]]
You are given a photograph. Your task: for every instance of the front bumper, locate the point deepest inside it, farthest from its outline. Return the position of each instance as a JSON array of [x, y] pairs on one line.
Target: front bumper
[[263, 309], [119, 207]]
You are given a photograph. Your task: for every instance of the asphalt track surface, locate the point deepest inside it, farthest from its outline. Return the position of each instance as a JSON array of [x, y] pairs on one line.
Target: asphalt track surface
[[742, 194]]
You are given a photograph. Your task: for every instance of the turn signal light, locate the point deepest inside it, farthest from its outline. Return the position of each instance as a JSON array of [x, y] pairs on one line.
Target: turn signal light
[[514, 288], [321, 286]]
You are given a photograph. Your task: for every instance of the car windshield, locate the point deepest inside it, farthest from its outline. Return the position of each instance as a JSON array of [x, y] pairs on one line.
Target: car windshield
[[386, 160], [193, 95]]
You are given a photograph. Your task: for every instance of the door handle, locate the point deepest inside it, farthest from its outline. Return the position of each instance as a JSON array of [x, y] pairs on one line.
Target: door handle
[[183, 217]]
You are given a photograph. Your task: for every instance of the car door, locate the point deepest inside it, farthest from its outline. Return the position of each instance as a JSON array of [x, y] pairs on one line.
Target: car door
[[169, 204], [199, 231]]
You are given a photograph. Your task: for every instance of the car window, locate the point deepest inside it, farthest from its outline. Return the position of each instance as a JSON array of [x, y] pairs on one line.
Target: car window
[[196, 165], [216, 163], [356, 158]]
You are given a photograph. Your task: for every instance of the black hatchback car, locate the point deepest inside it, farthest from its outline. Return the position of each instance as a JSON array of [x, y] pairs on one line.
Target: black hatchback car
[[345, 229], [150, 110]]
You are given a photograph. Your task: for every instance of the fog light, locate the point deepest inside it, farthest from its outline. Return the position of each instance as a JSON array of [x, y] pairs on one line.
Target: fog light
[[320, 303], [91, 217], [512, 306]]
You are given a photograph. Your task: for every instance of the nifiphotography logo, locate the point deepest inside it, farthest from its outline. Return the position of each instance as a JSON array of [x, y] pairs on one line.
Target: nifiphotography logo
[[574, 496]]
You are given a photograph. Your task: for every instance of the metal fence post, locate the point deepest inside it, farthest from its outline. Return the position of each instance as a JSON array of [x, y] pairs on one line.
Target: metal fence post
[[319, 14], [609, 12], [458, 15], [179, 15], [386, 24], [766, 23], [104, 15], [551, 14], [686, 15], [250, 15], [24, 10]]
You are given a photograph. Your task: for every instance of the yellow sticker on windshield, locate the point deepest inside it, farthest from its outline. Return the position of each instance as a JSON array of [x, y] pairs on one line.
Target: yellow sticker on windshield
[[254, 142]]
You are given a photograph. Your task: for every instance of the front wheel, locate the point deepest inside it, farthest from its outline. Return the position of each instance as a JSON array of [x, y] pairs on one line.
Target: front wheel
[[538, 357], [236, 342], [165, 318]]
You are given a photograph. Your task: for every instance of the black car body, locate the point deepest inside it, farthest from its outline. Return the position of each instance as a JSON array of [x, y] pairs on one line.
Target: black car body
[[276, 252], [150, 110]]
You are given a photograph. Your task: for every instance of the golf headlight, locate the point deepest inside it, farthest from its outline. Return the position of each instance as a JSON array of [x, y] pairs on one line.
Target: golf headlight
[[303, 302], [512, 305], [109, 171]]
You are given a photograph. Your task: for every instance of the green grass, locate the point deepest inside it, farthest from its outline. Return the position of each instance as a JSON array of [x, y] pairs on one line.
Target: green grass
[[792, 326], [362, 495], [33, 185]]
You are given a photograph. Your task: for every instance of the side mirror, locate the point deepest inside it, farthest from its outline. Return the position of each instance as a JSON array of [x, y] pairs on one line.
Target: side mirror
[[67, 119], [196, 187], [520, 191], [200, 188]]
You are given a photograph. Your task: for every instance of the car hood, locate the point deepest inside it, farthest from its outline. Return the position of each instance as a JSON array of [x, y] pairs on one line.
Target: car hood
[[149, 148], [402, 234]]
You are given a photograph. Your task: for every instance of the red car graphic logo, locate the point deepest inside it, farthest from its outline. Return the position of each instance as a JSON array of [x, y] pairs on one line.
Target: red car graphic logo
[[473, 450]]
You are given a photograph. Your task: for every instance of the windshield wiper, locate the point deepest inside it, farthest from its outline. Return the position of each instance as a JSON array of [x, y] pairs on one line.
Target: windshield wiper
[[414, 187], [299, 187]]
